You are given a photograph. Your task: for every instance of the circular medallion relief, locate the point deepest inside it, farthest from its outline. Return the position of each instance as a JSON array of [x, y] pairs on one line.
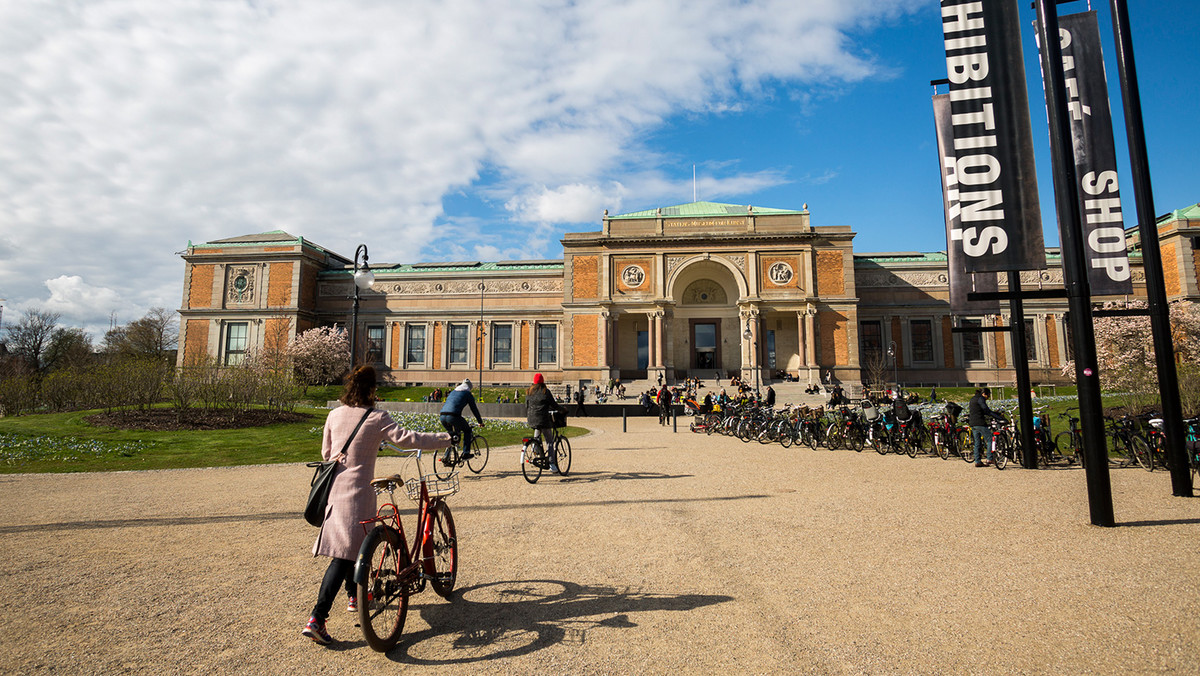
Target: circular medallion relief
[[780, 273], [633, 276]]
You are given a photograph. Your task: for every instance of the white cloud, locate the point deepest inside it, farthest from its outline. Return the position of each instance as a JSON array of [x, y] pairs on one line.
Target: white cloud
[[128, 127]]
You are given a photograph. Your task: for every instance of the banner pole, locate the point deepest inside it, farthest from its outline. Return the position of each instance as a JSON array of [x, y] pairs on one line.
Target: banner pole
[[1156, 294], [1020, 345], [1066, 198]]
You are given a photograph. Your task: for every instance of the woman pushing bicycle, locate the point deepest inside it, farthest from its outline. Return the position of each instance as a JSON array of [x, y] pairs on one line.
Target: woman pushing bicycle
[[539, 409], [359, 429]]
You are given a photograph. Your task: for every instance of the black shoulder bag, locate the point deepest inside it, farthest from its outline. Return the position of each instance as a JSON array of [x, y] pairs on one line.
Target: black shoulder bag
[[322, 482]]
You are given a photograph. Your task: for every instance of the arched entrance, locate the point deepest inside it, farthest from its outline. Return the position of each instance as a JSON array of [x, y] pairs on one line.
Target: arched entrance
[[705, 337]]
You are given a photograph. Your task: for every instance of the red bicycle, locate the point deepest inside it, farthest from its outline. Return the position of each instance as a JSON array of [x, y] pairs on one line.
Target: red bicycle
[[389, 570]]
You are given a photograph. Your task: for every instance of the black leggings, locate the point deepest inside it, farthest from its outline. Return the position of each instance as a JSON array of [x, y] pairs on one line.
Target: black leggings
[[339, 572]]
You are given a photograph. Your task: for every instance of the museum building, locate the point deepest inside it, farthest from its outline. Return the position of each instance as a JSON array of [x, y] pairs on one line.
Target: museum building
[[685, 291]]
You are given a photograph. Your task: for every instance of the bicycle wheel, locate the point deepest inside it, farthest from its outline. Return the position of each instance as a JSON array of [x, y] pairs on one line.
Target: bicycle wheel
[[440, 468], [1065, 443], [787, 434], [854, 436], [878, 440], [966, 445], [1118, 450], [442, 549], [1140, 450], [479, 454], [833, 437], [1000, 456], [529, 456], [562, 454], [910, 442], [942, 445], [808, 431], [383, 599]]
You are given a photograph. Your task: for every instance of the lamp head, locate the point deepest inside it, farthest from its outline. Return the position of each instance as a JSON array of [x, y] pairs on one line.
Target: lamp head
[[364, 278]]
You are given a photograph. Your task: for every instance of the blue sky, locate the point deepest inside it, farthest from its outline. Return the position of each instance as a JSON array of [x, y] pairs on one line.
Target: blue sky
[[451, 131]]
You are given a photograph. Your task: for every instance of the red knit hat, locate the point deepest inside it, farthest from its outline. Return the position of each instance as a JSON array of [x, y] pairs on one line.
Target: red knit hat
[[538, 379]]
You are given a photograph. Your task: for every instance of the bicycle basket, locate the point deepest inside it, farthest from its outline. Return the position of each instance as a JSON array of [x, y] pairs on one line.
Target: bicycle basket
[[436, 487]]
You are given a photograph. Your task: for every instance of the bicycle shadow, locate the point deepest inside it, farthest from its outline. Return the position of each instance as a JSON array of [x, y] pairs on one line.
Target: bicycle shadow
[[585, 477], [499, 620]]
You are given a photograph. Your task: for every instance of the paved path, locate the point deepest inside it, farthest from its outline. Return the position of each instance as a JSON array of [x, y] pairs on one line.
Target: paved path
[[660, 553]]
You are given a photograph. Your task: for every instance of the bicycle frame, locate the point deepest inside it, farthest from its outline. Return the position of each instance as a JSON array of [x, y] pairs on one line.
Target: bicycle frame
[[420, 568]]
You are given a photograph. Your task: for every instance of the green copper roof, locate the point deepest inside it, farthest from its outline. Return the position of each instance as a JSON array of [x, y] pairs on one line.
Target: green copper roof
[[1191, 213], [706, 209], [458, 267]]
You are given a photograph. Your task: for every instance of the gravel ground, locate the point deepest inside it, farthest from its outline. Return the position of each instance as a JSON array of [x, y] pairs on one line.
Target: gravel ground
[[660, 553]]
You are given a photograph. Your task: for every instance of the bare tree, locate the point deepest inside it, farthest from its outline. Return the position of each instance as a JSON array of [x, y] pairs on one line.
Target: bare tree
[[68, 348], [30, 337], [157, 333]]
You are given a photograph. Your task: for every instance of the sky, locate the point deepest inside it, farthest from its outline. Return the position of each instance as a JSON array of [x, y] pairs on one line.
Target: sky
[[475, 130]]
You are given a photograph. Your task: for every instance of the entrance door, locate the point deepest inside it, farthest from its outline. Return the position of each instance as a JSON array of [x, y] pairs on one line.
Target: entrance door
[[704, 338], [643, 350]]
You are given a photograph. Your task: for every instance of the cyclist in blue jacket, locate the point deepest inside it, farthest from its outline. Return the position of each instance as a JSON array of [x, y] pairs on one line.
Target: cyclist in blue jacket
[[453, 420]]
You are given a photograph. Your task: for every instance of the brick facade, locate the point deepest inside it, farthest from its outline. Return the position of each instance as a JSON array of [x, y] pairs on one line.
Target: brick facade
[[201, 291], [948, 342], [585, 279], [279, 286], [584, 332], [196, 345], [831, 273]]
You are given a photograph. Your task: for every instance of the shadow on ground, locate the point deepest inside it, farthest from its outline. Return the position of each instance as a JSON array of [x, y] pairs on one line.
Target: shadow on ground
[[505, 619]]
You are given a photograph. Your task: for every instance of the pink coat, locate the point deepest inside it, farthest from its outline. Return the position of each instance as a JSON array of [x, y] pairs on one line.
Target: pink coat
[[352, 499]]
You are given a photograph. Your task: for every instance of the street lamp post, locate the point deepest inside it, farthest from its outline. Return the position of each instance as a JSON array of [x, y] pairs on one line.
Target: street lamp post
[[363, 279], [895, 366], [482, 335], [749, 336]]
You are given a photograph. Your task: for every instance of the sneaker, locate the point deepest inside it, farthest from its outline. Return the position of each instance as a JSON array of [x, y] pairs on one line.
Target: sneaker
[[315, 629], [352, 606], [554, 468], [980, 464], [468, 455]]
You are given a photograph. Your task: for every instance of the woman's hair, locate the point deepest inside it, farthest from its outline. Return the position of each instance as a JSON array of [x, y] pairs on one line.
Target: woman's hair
[[360, 387], [536, 387]]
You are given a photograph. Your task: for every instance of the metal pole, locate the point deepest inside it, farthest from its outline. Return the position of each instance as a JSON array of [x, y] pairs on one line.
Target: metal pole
[[1079, 302], [1156, 294], [1020, 345], [624, 425], [481, 340], [354, 332]]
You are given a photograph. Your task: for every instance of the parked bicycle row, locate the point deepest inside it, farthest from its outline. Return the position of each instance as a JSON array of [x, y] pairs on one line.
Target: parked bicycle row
[[940, 429]]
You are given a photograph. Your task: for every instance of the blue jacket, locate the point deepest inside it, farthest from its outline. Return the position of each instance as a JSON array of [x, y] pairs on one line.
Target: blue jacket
[[459, 400]]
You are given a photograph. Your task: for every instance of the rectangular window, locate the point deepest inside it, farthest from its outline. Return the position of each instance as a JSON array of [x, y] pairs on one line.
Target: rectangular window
[[1030, 340], [374, 344], [547, 343], [771, 351], [972, 341], [458, 343], [870, 340], [415, 352], [236, 338], [921, 332], [502, 344]]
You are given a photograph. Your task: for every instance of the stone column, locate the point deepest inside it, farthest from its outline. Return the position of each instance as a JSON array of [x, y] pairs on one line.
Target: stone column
[[659, 342], [810, 341]]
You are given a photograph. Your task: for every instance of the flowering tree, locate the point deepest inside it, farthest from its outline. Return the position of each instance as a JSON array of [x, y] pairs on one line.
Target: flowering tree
[[319, 356], [1125, 354]]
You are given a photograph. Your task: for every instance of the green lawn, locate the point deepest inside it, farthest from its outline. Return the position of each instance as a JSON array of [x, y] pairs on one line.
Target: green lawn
[[320, 395], [64, 442]]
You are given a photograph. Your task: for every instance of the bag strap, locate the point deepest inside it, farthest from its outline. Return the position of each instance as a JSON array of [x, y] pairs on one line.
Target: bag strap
[[360, 422]]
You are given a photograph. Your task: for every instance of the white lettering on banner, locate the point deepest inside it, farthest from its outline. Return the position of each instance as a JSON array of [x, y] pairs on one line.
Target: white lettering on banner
[[1074, 104], [1105, 240], [976, 165]]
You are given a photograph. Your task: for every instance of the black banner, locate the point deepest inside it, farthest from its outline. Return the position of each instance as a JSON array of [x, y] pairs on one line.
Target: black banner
[[1095, 155], [1000, 220], [961, 281]]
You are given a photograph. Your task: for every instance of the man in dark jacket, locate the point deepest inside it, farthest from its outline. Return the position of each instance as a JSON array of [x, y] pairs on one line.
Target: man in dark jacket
[[664, 405], [579, 397], [453, 420], [770, 396], [977, 416]]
